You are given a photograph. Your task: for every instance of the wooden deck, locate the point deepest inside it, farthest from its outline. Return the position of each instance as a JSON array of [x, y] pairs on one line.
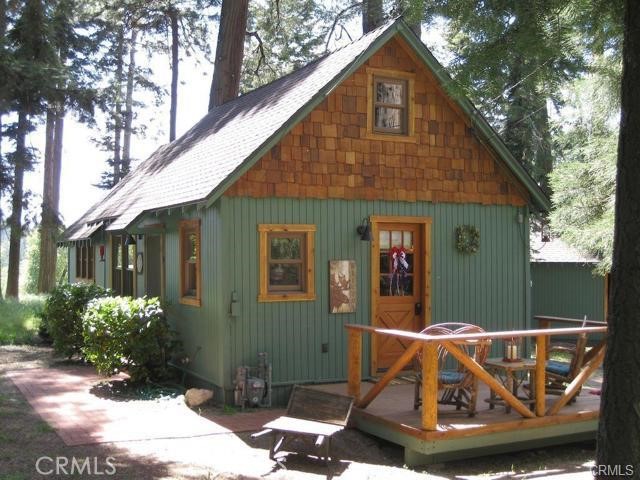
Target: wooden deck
[[391, 416]]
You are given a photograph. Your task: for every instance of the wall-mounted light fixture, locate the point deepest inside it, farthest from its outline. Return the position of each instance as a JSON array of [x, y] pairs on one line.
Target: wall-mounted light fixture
[[101, 250], [364, 230]]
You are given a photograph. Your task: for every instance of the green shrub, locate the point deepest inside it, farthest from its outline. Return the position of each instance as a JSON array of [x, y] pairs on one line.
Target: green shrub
[[132, 334], [62, 315]]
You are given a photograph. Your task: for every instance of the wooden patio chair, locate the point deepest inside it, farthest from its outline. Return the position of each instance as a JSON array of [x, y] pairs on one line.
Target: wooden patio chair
[[567, 361], [456, 384]]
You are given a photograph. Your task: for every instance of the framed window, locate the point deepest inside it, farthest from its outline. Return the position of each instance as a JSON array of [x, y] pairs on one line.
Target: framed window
[[84, 261], [190, 262], [286, 263], [389, 105]]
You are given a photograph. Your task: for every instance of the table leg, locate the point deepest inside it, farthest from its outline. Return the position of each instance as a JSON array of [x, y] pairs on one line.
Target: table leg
[[511, 386], [532, 389]]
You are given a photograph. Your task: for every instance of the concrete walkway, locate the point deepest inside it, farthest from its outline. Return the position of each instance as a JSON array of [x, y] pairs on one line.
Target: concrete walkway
[[63, 398]]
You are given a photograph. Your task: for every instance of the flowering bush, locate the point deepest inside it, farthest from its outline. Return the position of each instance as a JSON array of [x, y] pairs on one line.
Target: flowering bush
[[131, 334]]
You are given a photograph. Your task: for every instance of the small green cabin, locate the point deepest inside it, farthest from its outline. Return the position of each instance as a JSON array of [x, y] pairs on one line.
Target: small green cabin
[[563, 282], [358, 189]]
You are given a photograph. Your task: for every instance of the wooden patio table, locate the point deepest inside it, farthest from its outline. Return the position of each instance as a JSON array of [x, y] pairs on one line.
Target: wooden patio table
[[512, 375]]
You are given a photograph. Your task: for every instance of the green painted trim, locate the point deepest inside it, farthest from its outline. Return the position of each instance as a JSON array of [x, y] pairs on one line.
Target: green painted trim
[[302, 113]]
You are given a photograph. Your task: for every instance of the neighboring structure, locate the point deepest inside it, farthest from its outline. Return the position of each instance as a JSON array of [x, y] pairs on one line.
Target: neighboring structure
[[235, 223], [563, 282]]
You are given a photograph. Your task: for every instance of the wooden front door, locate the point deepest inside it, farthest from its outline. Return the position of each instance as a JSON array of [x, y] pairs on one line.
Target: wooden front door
[[399, 287]]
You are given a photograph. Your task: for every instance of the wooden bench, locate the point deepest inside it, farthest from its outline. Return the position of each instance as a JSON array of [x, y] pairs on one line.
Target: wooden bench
[[313, 416]]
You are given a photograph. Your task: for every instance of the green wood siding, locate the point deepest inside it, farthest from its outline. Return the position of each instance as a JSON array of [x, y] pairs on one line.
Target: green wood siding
[[72, 263], [100, 268], [203, 329], [489, 288], [567, 290]]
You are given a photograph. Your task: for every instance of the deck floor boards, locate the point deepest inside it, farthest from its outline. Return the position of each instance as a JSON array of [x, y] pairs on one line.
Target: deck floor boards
[[394, 407]]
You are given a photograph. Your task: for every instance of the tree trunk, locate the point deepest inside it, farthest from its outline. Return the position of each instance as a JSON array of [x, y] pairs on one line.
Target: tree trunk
[[15, 220], [3, 180], [514, 122], [173, 113], [229, 52], [117, 120], [2, 186], [412, 12], [619, 424], [543, 155], [51, 199], [128, 115], [372, 15]]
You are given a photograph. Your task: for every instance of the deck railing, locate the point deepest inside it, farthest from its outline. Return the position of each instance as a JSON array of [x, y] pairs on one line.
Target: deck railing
[[429, 345]]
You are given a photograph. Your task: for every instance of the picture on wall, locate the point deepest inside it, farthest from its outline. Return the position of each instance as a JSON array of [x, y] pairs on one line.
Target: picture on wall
[[342, 286]]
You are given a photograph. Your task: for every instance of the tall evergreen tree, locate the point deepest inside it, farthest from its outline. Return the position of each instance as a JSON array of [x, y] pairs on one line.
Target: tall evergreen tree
[[74, 46], [225, 84], [35, 68], [279, 39], [373, 15], [619, 422], [512, 58]]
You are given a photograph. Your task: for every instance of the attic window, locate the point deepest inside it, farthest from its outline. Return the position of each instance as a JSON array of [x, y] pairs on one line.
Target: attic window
[[390, 96], [286, 263], [390, 106]]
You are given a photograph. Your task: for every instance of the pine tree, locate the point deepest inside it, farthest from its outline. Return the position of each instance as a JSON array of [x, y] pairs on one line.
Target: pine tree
[[279, 39], [225, 84], [35, 68], [73, 90], [619, 423], [511, 59]]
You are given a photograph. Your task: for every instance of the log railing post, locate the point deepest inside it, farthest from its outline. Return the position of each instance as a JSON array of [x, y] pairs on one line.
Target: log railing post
[[430, 386], [354, 364], [541, 363]]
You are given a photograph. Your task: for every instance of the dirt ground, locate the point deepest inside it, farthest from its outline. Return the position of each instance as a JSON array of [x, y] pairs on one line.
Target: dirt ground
[[25, 438]]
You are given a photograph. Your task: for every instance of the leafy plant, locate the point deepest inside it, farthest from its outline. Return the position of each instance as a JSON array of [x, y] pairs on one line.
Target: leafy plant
[[132, 334], [62, 315], [19, 320]]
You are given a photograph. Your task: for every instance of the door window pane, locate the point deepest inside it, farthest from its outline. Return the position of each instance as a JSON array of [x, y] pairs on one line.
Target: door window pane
[[407, 240], [396, 238], [385, 242]]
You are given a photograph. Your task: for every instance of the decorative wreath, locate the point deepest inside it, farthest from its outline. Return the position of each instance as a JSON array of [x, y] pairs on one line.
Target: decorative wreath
[[467, 239]]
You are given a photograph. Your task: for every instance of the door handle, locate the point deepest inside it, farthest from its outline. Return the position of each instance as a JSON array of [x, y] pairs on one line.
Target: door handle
[[417, 308]]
